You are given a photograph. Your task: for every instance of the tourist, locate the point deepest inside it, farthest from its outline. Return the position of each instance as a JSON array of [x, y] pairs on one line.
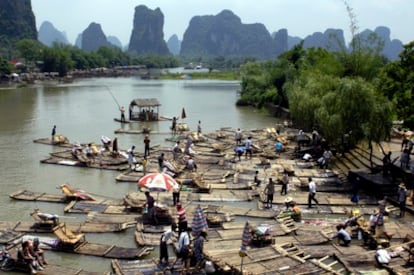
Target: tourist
[[239, 151], [122, 110], [144, 165], [161, 162], [327, 155], [146, 146], [312, 193], [115, 147], [355, 190], [176, 194], [150, 205], [174, 126], [176, 150], [269, 191], [284, 182], [24, 256], [279, 147], [188, 143], [238, 137], [191, 165], [53, 133], [88, 150], [256, 180], [405, 159], [344, 239], [248, 146], [386, 164], [131, 158], [106, 141], [373, 221], [165, 237], [37, 252], [402, 198], [199, 250], [199, 128], [382, 257], [182, 218], [183, 250], [405, 140], [379, 226]]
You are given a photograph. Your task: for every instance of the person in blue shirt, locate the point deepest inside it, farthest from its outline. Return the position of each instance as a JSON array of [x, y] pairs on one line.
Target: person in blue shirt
[[279, 147], [239, 151]]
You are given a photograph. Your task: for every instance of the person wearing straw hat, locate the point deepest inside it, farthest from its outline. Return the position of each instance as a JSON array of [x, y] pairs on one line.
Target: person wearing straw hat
[[402, 198]]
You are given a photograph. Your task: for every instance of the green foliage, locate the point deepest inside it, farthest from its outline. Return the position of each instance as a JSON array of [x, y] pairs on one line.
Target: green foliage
[[338, 106], [396, 82], [57, 60], [30, 50], [5, 67]]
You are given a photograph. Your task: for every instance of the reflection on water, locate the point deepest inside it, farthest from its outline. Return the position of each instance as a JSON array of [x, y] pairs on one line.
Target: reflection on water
[[83, 111]]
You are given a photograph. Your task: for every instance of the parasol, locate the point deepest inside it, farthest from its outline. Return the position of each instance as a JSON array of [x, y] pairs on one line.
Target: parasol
[[199, 221], [245, 241], [159, 182]]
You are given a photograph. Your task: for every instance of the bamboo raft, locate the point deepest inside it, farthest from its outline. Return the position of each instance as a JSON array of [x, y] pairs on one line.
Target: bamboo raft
[[69, 241], [27, 195], [77, 227], [142, 267]]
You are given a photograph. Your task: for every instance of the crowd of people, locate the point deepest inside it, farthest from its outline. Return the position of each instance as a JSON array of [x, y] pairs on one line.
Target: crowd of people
[[190, 248]]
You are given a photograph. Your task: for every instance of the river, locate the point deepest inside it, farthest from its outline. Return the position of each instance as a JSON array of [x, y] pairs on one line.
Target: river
[[83, 111]]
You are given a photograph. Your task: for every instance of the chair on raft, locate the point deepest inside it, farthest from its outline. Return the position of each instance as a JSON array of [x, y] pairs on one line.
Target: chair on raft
[[69, 241]]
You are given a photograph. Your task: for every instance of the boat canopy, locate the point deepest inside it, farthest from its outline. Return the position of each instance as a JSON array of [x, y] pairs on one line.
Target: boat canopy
[[147, 109]]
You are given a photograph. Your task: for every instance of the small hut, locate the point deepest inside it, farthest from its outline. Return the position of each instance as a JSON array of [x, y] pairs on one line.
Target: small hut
[[144, 109]]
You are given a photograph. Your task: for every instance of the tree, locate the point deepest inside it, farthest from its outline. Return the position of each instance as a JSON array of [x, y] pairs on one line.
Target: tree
[[57, 59], [333, 105], [4, 67], [396, 82], [30, 50]]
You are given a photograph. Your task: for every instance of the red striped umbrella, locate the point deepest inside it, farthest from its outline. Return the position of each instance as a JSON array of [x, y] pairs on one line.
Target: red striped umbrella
[[158, 182]]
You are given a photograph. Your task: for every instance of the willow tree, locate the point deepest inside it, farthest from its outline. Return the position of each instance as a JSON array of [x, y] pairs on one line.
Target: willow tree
[[339, 106]]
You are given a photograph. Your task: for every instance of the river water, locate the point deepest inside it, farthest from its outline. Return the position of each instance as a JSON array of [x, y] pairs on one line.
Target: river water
[[83, 111]]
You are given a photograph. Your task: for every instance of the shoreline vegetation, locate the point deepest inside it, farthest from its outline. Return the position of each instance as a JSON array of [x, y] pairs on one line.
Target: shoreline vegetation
[[230, 75]]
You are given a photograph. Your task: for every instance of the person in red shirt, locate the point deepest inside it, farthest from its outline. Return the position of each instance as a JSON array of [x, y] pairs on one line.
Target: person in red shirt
[[182, 218]]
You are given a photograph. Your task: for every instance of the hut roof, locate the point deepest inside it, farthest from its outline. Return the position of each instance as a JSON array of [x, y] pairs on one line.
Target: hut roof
[[145, 102]]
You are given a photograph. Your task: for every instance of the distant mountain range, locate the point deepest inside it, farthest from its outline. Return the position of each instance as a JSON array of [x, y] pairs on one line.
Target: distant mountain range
[[211, 35]]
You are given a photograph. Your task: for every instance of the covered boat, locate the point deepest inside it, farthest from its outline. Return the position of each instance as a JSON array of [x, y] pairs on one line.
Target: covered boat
[[144, 109]]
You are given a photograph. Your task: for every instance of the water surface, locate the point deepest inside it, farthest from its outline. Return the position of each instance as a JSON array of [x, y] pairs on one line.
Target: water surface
[[83, 111]]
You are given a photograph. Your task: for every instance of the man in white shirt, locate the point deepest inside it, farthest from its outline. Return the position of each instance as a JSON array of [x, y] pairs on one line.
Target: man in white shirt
[[312, 193], [166, 236], [343, 236], [183, 250]]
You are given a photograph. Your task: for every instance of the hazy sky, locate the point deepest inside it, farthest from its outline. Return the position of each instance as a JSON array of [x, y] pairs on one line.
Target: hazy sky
[[300, 17]]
